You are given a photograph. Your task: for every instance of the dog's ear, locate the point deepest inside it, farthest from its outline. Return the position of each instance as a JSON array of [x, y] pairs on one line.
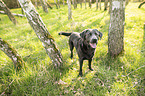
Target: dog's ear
[[83, 34], [100, 34]]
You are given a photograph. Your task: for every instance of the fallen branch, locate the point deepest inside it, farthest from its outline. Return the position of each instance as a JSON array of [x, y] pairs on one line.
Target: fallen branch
[[135, 70], [49, 6], [20, 15]]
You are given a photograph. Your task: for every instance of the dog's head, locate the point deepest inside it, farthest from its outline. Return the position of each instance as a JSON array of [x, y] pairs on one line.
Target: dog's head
[[91, 37]]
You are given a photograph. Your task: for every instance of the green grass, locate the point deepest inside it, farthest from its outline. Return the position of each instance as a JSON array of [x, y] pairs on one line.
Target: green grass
[[123, 75]]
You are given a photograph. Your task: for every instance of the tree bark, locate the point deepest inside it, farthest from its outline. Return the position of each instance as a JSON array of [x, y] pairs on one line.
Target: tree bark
[[116, 28], [20, 15], [41, 31], [8, 12], [56, 4], [100, 4], [80, 3], [75, 4], [11, 53], [63, 3], [69, 10], [110, 6], [126, 2], [36, 3], [85, 4], [44, 6], [90, 3], [49, 5], [141, 4], [96, 4], [106, 5]]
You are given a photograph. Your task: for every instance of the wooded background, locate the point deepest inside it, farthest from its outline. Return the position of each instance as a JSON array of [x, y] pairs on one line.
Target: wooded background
[[14, 3]]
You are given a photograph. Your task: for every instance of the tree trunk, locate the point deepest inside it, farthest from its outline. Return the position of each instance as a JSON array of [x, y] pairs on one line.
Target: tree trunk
[[126, 2], [20, 15], [90, 3], [56, 4], [75, 4], [85, 4], [116, 28], [81, 3], [58, 1], [8, 12], [44, 6], [49, 5], [36, 4], [96, 4], [106, 5], [100, 4], [41, 31], [69, 10], [11, 53], [110, 6], [141, 4], [63, 3]]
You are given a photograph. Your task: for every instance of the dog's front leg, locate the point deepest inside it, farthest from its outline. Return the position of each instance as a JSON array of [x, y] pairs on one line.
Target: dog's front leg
[[81, 65], [90, 60]]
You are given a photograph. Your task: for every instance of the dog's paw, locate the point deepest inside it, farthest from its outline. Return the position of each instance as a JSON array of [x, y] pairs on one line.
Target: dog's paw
[[80, 75]]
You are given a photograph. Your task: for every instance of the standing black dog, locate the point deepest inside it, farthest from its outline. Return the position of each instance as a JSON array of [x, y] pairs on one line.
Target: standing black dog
[[85, 44]]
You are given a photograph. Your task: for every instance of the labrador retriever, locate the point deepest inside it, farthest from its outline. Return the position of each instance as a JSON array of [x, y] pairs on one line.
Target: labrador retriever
[[85, 44]]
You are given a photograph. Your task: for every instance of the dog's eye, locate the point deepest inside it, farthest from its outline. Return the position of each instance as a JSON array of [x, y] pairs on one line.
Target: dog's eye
[[90, 34], [96, 34]]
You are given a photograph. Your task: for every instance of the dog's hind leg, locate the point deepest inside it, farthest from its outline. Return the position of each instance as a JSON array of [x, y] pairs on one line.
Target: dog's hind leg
[[71, 48]]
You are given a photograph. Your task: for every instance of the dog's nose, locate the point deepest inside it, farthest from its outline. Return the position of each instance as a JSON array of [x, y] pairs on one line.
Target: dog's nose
[[94, 40]]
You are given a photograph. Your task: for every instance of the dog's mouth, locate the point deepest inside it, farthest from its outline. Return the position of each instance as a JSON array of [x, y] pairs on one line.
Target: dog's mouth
[[93, 45]]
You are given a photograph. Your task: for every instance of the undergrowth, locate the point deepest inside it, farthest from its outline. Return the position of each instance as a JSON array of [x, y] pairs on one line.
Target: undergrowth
[[123, 75]]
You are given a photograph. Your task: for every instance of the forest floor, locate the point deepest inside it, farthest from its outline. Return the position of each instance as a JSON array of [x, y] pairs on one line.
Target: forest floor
[[123, 75]]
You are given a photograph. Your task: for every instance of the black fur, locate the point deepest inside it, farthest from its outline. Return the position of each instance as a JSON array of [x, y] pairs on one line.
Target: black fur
[[85, 44]]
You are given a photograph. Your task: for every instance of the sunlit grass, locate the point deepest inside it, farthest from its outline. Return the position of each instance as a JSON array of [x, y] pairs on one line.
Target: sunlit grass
[[111, 76]]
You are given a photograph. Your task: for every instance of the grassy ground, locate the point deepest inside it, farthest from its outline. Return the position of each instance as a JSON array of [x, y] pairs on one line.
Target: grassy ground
[[123, 75]]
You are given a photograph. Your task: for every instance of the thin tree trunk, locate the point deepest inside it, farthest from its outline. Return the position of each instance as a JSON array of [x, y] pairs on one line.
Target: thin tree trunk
[[36, 3], [69, 10], [90, 3], [63, 3], [106, 5], [20, 15], [11, 53], [44, 6], [96, 4], [58, 1], [8, 12], [81, 3], [48, 5], [126, 2], [100, 4], [85, 4], [141, 4], [41, 31], [56, 4], [75, 4], [110, 6], [116, 28]]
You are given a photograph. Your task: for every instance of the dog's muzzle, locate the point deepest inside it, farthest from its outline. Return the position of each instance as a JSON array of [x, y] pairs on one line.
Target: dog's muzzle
[[93, 43]]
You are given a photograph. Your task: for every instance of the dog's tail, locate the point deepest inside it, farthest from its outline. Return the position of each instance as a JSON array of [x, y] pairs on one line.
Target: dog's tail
[[64, 33]]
